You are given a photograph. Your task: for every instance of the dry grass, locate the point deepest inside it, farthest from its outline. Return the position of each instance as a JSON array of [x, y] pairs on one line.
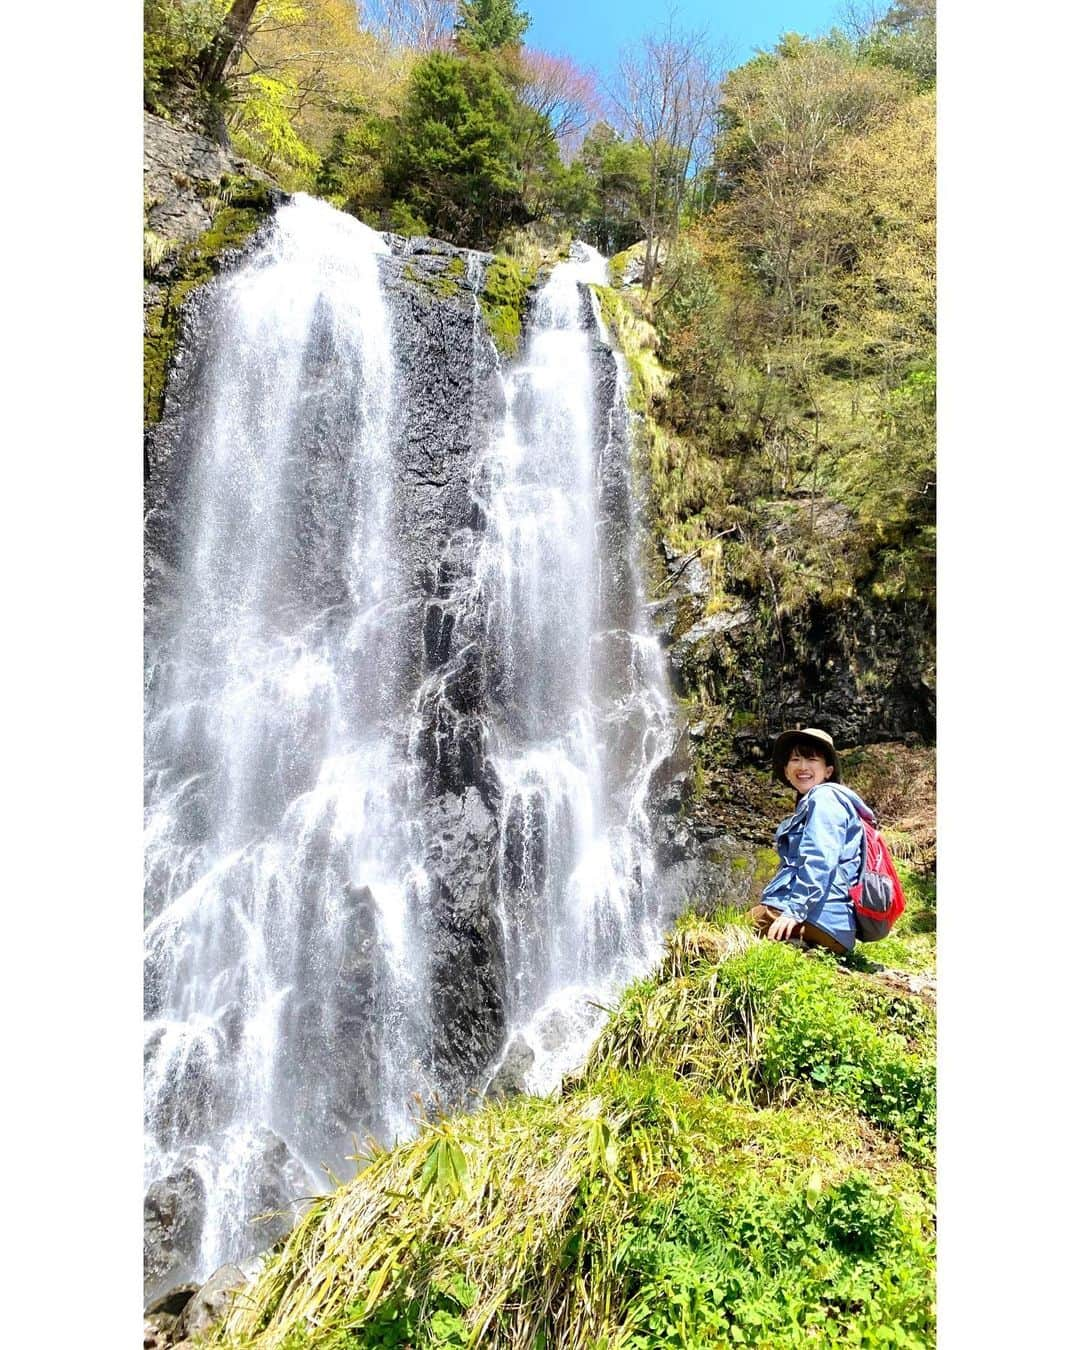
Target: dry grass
[[901, 783], [484, 1203]]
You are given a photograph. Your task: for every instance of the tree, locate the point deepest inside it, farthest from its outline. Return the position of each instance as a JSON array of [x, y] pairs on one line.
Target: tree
[[458, 157], [906, 39], [666, 91], [486, 25], [783, 114], [558, 91], [228, 42], [308, 70], [419, 24], [615, 193], [176, 33]]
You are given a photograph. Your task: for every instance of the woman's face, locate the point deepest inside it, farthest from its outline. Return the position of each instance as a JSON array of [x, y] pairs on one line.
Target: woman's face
[[806, 768]]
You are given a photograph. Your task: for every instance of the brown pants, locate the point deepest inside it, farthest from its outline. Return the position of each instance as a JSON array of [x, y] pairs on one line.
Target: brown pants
[[761, 916]]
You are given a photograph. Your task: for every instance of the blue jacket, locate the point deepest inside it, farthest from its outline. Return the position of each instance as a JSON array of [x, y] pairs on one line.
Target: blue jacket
[[821, 849]]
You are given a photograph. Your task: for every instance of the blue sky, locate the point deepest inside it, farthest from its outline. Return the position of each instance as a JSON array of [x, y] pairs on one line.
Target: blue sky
[[592, 31]]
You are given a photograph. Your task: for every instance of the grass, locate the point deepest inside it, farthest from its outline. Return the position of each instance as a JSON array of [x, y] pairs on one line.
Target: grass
[[745, 1159]]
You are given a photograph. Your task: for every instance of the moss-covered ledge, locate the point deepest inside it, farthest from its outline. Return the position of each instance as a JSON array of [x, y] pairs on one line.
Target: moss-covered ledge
[[507, 283], [239, 205]]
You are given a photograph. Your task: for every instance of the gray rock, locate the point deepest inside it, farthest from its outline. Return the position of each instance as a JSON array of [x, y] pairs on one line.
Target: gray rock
[[173, 1214], [278, 1185], [173, 1303], [181, 173], [158, 1330], [555, 1030], [508, 1079], [211, 1302], [633, 271]]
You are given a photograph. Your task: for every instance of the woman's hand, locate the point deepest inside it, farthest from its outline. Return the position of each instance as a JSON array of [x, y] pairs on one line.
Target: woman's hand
[[782, 927]]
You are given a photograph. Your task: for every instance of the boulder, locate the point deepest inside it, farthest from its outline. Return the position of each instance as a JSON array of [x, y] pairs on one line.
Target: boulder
[[508, 1079], [210, 1304], [174, 1209]]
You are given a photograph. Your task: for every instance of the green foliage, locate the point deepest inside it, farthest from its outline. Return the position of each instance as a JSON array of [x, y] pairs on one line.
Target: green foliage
[[175, 34], [895, 484], [797, 320], [265, 132], [906, 40], [770, 1025], [458, 154], [611, 183], [485, 25], [351, 172], [777, 1267], [402, 219]]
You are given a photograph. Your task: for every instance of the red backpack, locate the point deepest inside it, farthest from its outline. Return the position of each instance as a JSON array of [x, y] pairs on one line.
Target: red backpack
[[877, 897]]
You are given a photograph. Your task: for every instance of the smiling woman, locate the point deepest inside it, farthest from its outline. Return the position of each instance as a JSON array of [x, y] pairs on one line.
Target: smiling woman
[[820, 846]]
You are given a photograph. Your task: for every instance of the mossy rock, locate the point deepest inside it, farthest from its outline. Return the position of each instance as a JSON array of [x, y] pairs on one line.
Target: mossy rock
[[444, 278], [245, 205], [617, 266], [502, 301]]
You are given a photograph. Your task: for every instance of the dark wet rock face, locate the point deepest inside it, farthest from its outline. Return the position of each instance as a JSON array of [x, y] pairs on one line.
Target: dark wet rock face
[[862, 669], [173, 1213], [509, 1078]]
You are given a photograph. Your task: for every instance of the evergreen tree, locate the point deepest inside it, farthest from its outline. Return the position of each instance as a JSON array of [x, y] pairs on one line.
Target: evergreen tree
[[485, 25], [458, 158]]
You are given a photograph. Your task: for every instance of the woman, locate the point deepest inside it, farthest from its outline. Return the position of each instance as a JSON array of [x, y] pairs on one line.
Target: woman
[[820, 846]]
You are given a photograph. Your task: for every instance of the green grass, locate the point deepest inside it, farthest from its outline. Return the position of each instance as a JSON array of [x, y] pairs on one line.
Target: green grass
[[912, 944], [744, 1160]]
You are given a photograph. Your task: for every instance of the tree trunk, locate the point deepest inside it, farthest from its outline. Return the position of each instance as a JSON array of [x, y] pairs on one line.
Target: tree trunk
[[650, 228], [217, 58]]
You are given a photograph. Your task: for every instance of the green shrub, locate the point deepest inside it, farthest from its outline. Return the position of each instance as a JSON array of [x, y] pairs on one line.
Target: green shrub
[[777, 1267]]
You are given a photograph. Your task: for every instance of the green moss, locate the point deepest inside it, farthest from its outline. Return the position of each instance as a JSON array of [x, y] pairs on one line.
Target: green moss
[[617, 266], [636, 340], [685, 616], [766, 863], [444, 280], [243, 205], [502, 301]]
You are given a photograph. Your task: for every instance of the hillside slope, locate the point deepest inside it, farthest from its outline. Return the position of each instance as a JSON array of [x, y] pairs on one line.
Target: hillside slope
[[745, 1159]]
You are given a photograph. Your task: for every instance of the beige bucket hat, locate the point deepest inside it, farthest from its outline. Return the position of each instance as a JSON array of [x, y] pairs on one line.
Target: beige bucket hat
[[782, 749]]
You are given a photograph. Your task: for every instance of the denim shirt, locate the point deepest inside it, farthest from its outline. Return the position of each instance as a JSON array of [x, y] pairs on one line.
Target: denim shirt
[[820, 846]]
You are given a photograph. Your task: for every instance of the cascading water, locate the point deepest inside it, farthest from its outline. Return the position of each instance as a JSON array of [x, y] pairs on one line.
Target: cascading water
[[403, 712], [583, 715], [272, 770]]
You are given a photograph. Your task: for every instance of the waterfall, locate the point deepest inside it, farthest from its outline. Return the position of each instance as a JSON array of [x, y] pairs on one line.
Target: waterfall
[[402, 715], [583, 716]]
